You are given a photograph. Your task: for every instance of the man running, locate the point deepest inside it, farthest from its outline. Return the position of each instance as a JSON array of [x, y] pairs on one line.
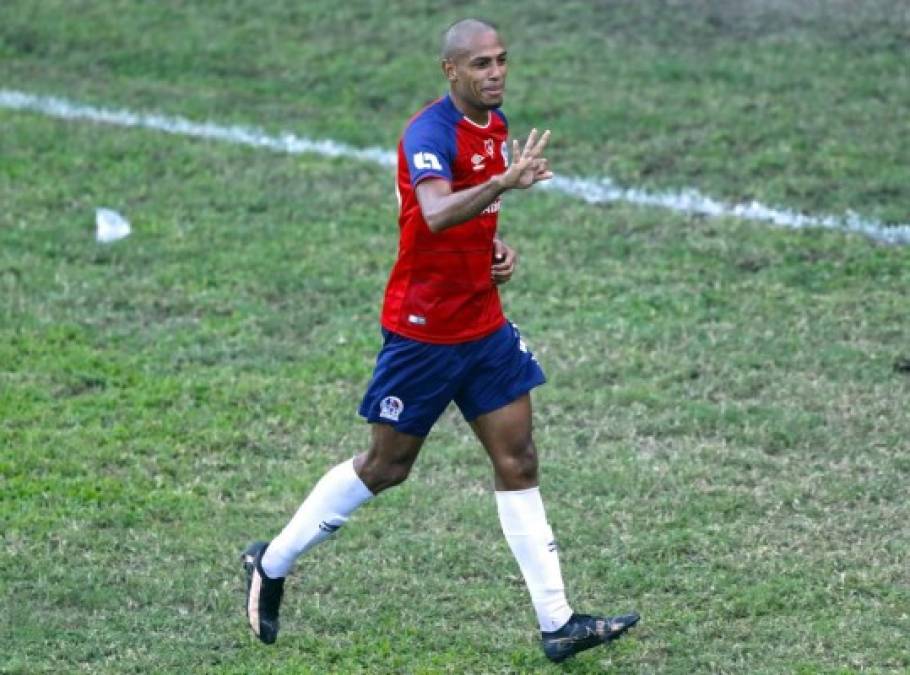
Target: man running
[[446, 339]]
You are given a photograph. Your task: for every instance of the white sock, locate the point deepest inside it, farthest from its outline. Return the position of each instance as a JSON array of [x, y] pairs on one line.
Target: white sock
[[524, 523], [328, 506]]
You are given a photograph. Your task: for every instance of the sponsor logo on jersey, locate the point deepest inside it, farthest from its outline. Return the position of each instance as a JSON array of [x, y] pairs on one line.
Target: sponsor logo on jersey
[[417, 319], [390, 408], [493, 207], [478, 162], [427, 160]]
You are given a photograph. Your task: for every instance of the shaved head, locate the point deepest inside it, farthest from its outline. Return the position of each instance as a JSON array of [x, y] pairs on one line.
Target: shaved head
[[457, 39], [474, 63]]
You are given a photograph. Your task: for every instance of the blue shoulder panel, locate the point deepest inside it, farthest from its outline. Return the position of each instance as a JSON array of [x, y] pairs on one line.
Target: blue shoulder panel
[[429, 142]]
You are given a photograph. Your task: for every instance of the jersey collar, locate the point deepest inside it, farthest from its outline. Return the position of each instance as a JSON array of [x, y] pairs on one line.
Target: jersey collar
[[468, 119]]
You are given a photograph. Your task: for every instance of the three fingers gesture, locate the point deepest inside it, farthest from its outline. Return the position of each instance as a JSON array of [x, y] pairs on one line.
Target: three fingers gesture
[[527, 166]]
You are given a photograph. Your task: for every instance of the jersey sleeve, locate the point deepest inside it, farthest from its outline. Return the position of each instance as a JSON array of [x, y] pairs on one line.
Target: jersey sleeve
[[429, 150]]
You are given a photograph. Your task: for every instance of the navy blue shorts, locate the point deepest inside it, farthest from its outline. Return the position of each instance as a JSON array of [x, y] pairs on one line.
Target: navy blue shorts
[[414, 382]]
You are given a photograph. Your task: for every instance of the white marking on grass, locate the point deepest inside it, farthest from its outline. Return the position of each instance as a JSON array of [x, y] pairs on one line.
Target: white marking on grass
[[181, 126], [598, 191], [591, 190]]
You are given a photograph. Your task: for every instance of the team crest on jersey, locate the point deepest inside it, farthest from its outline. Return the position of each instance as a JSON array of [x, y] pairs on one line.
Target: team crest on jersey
[[504, 149], [488, 148], [390, 408]]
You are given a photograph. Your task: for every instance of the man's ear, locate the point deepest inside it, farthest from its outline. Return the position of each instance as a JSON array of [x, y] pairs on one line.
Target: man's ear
[[448, 69]]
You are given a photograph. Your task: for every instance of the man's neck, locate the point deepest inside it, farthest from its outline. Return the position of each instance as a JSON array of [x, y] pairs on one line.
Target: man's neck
[[479, 116]]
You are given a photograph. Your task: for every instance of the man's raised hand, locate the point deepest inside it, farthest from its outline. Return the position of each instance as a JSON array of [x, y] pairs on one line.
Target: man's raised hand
[[527, 166]]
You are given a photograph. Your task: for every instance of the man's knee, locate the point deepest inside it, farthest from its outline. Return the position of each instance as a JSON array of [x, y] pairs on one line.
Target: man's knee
[[519, 465], [379, 475], [385, 466], [395, 473]]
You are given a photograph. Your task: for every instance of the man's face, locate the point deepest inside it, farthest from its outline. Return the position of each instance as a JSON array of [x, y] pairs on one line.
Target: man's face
[[480, 72]]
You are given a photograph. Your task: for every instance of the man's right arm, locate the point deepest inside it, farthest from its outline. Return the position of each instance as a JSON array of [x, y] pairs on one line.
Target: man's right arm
[[442, 208]]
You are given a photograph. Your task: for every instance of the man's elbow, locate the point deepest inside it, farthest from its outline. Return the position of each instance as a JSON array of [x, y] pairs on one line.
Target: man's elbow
[[435, 221]]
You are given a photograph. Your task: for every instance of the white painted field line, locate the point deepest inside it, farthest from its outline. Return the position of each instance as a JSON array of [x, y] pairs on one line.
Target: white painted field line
[[592, 190], [241, 135]]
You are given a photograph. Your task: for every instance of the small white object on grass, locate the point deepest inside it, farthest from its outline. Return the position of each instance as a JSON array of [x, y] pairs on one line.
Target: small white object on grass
[[110, 226]]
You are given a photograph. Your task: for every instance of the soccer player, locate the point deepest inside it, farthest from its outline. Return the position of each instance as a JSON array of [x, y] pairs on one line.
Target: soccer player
[[446, 339]]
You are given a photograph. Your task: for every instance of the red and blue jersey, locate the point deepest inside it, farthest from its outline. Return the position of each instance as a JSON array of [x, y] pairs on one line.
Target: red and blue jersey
[[440, 289]]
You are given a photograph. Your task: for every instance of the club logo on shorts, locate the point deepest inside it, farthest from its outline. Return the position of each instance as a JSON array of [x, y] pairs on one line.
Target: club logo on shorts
[[390, 408]]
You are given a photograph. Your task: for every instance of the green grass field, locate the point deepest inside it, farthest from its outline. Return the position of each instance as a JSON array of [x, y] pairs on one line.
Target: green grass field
[[724, 435]]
